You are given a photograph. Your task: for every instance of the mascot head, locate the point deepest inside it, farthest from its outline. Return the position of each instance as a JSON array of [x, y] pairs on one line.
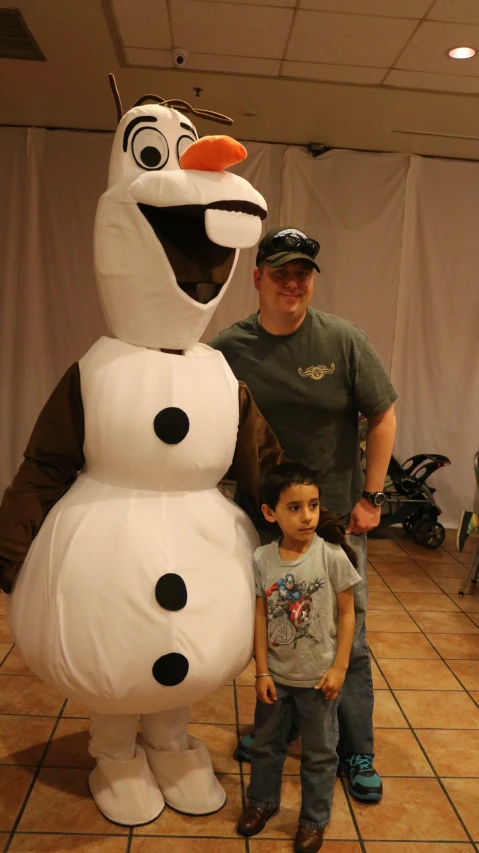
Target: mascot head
[[170, 225]]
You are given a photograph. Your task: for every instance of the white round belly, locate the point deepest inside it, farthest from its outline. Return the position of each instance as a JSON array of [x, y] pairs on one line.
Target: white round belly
[[89, 616]]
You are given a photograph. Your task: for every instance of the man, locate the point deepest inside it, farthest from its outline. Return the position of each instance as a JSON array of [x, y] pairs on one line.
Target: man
[[311, 374]]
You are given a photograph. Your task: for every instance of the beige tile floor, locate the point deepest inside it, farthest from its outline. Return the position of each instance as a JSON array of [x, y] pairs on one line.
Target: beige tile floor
[[424, 641]]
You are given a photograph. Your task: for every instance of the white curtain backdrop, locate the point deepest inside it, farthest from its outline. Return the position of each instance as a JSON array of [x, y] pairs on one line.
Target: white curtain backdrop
[[353, 204], [436, 351], [399, 257]]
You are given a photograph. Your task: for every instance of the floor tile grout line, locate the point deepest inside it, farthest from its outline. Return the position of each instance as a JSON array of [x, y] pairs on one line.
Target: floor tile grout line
[[62, 832], [7, 654], [285, 775], [33, 781], [429, 761], [444, 660], [351, 812], [35, 716]]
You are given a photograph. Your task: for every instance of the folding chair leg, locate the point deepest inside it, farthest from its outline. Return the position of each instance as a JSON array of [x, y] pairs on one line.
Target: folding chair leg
[[472, 572]]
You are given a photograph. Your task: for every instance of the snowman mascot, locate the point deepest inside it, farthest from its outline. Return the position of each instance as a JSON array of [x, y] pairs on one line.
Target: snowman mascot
[[135, 596]]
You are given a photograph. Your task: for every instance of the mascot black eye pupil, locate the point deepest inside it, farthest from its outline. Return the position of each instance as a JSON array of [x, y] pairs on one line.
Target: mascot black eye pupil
[[150, 148], [150, 156]]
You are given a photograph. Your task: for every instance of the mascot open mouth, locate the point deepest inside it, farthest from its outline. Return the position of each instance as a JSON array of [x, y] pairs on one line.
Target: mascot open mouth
[[201, 267]]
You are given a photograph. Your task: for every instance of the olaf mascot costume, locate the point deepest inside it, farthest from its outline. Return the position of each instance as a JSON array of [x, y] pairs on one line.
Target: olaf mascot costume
[[129, 573]]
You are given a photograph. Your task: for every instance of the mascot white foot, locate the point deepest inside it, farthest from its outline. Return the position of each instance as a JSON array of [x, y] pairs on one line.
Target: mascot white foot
[[126, 792]]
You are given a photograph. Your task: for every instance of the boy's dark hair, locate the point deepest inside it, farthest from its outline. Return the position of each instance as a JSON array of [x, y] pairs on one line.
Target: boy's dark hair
[[282, 477]]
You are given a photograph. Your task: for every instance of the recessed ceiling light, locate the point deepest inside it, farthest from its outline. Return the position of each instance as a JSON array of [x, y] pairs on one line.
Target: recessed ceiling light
[[461, 52]]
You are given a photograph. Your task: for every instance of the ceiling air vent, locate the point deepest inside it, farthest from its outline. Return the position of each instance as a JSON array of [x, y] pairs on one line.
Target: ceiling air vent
[[16, 40]]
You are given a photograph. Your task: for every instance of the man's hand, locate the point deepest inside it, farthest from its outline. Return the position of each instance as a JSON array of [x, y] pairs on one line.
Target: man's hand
[[265, 690], [331, 682], [364, 517]]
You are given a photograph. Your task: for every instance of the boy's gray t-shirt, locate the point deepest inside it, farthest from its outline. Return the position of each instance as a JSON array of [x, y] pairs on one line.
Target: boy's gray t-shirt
[[302, 608], [310, 387]]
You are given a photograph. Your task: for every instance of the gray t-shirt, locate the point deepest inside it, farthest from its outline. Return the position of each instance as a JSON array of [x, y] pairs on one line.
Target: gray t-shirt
[[302, 608], [310, 387]]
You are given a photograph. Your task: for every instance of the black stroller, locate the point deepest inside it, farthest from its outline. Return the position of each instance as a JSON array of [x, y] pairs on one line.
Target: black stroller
[[409, 500]]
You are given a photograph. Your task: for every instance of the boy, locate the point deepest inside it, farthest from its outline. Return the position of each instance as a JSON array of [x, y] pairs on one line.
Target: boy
[[304, 631]]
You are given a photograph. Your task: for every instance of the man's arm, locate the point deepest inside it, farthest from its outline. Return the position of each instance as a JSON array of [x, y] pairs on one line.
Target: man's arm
[[379, 445]]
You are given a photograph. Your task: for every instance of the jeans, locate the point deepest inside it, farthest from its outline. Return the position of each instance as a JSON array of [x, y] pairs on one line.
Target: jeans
[[317, 720], [355, 711]]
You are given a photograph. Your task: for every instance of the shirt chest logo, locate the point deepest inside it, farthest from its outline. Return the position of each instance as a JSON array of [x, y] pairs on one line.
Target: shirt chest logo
[[318, 372]]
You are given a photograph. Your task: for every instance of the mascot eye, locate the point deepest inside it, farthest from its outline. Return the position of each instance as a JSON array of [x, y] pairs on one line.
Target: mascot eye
[[183, 143], [150, 148]]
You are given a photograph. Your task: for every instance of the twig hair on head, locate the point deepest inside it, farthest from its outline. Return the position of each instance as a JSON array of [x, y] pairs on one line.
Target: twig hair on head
[[173, 103]]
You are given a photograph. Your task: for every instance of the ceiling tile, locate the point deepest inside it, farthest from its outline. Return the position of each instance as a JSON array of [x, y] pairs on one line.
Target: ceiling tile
[[459, 11], [143, 23], [427, 50], [348, 39], [231, 30], [389, 8], [235, 64], [148, 58], [333, 73], [437, 82]]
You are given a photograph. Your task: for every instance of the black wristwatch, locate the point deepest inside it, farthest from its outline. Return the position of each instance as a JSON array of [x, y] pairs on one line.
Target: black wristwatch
[[375, 498]]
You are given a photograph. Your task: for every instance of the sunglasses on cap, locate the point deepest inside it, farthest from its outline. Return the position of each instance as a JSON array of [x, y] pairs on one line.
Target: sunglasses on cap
[[288, 240]]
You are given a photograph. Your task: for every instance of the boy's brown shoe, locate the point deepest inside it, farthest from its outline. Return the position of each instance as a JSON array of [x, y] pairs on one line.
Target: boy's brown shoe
[[254, 819], [308, 840]]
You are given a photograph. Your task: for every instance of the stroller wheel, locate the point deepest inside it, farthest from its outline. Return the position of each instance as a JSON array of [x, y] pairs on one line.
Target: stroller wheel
[[430, 534]]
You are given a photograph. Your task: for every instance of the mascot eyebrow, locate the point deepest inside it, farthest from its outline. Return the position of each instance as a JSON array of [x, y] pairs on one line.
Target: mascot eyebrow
[[133, 124], [137, 120]]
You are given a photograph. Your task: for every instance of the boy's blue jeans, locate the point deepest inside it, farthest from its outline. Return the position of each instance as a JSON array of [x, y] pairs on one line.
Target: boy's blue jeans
[[317, 721]]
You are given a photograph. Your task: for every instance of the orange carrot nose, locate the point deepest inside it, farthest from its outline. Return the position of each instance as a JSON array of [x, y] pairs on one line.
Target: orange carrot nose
[[213, 154]]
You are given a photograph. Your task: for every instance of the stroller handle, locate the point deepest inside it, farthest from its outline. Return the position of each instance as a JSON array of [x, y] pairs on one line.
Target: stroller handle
[[422, 465]]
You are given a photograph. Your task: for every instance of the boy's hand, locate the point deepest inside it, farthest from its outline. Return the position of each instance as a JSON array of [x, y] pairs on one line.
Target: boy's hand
[[331, 682], [265, 690]]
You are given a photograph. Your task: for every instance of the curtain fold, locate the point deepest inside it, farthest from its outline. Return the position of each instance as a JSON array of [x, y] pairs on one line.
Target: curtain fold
[[399, 257]]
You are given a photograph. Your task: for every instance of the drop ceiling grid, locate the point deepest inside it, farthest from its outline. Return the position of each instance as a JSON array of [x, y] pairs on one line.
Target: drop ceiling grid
[[385, 8], [356, 45]]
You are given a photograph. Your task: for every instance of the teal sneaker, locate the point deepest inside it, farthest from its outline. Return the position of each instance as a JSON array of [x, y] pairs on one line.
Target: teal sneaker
[[364, 784], [242, 751]]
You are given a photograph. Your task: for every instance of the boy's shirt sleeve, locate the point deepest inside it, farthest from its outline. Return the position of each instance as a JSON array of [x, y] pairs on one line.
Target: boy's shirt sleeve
[[260, 593], [341, 571]]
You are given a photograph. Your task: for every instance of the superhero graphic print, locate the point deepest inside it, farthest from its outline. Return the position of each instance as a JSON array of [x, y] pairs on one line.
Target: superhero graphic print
[[291, 610]]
